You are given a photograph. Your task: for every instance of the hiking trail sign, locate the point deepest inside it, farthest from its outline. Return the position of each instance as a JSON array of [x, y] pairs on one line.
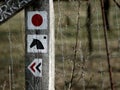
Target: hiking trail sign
[[11, 7], [36, 67], [39, 40], [37, 20], [37, 44]]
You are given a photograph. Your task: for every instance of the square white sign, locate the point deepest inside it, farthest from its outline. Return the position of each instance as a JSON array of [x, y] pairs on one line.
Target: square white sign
[[37, 43], [37, 20]]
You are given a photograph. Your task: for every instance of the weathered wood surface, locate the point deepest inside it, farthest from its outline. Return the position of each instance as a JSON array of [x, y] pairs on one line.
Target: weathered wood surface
[[11, 7], [46, 82]]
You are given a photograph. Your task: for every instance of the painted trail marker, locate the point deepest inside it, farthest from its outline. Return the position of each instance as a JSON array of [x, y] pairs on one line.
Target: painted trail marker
[[39, 40], [37, 20], [37, 43], [36, 67]]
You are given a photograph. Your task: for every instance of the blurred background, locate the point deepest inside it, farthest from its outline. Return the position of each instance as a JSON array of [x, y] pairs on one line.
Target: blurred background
[[80, 52]]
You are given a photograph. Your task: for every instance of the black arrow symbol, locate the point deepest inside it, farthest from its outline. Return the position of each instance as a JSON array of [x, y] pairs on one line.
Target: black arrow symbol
[[37, 67], [37, 43]]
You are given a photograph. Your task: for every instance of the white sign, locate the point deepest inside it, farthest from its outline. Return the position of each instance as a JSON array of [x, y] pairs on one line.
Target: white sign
[[36, 67], [37, 43], [37, 20]]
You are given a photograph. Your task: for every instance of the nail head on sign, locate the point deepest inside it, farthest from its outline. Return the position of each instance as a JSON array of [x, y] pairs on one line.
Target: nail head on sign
[[45, 37]]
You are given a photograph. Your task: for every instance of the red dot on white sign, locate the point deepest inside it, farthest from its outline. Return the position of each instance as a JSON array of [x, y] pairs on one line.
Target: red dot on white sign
[[37, 20]]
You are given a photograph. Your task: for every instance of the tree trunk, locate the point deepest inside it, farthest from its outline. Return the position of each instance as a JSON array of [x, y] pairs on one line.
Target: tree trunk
[[88, 25], [106, 11]]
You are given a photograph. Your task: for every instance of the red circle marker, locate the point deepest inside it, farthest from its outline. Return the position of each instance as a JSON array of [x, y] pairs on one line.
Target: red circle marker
[[37, 20]]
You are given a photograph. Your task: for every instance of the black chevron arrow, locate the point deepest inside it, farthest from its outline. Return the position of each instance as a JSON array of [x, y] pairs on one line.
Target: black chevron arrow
[[37, 67]]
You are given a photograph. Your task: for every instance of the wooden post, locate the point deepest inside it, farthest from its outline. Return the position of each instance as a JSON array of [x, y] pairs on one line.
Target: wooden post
[[39, 64]]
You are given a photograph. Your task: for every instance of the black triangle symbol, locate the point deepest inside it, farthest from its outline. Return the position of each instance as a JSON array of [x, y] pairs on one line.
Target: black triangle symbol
[[37, 43]]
